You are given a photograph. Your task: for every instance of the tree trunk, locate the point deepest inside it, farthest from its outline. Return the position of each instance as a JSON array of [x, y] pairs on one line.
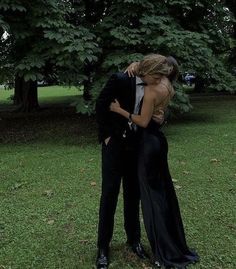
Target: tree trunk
[[231, 4], [199, 84], [87, 83], [87, 94], [26, 95]]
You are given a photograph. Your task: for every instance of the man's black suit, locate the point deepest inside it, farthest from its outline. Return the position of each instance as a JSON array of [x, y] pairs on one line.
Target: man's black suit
[[119, 160]]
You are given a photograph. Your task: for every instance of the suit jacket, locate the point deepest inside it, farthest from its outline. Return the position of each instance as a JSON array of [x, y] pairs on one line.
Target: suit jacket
[[123, 88]]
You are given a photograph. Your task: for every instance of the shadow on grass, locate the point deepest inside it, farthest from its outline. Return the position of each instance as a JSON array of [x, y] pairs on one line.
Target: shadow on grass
[[56, 125], [62, 125]]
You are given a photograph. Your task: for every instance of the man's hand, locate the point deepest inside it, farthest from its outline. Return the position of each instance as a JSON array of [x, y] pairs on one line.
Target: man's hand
[[106, 141], [159, 117], [132, 69]]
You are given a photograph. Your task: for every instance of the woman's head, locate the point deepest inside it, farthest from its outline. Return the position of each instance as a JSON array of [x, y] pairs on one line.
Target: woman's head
[[155, 66]]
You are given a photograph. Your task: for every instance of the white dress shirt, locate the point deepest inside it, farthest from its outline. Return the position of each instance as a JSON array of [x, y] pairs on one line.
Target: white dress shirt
[[139, 95]]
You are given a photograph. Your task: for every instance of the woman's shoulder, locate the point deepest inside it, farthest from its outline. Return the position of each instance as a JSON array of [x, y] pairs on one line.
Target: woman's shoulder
[[165, 87], [150, 90], [159, 90]]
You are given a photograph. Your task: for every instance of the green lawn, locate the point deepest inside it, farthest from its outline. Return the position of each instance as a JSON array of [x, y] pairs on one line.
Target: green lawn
[[52, 95], [50, 188]]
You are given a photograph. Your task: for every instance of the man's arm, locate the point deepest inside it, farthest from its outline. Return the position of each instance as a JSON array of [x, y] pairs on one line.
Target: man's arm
[[104, 99]]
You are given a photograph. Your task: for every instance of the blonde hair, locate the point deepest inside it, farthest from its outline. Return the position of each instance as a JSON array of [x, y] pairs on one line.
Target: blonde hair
[[154, 64]]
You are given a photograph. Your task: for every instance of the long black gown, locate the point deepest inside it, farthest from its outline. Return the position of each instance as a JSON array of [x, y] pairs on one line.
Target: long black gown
[[162, 218]]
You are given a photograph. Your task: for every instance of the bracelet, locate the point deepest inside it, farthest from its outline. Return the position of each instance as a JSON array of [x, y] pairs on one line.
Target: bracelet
[[130, 117], [130, 123]]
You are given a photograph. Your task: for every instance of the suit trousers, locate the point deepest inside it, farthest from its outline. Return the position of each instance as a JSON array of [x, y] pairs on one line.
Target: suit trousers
[[119, 164]]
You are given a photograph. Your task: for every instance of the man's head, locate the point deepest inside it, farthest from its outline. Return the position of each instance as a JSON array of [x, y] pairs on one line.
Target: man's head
[[175, 71]]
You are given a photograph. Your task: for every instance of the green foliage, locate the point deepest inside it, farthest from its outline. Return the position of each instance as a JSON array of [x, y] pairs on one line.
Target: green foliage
[[40, 40], [196, 33], [82, 42], [180, 103], [85, 107]]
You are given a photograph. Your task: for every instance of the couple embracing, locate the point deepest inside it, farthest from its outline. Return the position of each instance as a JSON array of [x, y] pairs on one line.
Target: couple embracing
[[129, 112]]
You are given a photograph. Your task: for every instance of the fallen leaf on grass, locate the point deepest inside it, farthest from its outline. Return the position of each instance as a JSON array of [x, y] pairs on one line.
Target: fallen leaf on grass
[[231, 226], [51, 221], [214, 160], [144, 266], [186, 172], [93, 183], [48, 193], [178, 187], [174, 180], [84, 241], [17, 186]]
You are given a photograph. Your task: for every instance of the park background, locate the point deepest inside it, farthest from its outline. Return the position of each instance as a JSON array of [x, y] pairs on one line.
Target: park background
[[55, 57]]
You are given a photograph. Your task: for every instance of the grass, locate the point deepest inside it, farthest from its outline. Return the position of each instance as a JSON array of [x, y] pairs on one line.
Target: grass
[[50, 188], [51, 95]]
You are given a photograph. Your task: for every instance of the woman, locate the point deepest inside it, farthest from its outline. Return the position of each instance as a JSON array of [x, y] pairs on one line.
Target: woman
[[160, 207]]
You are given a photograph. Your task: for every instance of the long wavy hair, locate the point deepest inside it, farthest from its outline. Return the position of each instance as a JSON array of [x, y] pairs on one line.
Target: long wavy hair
[[154, 64]]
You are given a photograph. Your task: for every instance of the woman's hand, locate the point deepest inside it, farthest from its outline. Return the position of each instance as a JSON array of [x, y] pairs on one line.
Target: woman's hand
[[115, 106], [132, 69], [159, 117]]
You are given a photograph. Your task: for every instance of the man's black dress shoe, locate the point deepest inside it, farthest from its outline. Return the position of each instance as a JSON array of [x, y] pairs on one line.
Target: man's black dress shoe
[[139, 251], [102, 259]]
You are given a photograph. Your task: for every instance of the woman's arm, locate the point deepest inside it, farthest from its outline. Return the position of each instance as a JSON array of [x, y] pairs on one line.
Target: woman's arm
[[146, 112], [150, 96]]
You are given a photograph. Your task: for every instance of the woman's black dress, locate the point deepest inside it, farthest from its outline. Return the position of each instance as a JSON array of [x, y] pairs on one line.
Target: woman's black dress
[[160, 206]]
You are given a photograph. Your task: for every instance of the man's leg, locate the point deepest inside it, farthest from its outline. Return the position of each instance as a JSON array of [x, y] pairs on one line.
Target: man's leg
[[111, 179], [131, 193], [131, 203]]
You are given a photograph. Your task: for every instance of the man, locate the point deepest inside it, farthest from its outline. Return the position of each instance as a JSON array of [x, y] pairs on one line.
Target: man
[[119, 162]]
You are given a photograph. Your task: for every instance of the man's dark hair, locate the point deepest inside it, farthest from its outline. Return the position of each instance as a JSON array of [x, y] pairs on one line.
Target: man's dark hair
[[175, 72]]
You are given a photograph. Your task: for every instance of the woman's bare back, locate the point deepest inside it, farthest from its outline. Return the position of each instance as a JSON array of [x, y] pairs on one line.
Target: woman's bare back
[[164, 91]]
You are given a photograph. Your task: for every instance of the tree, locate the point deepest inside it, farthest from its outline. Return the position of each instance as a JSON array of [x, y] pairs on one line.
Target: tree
[[214, 22], [82, 42], [195, 32], [41, 43], [231, 5]]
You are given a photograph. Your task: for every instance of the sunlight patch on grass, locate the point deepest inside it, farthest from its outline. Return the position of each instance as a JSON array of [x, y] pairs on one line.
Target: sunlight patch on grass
[[46, 95]]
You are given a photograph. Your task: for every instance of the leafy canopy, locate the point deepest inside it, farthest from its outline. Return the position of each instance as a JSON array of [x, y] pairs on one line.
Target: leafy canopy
[[82, 42]]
